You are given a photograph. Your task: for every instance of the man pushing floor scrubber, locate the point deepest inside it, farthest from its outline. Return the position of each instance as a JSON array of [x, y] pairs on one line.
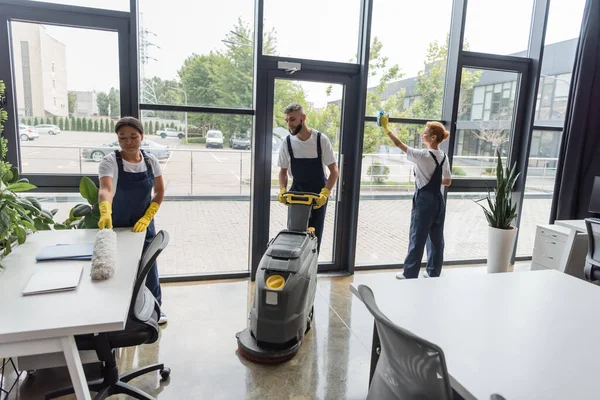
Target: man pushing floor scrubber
[[303, 157], [286, 278]]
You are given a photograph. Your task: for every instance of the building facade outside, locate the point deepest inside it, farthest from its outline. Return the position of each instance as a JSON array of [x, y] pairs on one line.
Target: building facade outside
[[40, 72], [486, 111], [86, 103]]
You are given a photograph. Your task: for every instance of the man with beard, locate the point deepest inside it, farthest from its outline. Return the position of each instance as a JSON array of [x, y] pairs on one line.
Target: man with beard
[[303, 156]]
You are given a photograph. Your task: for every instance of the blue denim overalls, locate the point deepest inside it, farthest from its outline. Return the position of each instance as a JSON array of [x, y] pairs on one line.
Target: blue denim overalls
[[427, 226], [132, 198], [308, 176]]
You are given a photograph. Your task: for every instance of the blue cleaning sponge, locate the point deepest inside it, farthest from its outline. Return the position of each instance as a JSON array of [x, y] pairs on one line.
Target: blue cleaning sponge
[[379, 114]]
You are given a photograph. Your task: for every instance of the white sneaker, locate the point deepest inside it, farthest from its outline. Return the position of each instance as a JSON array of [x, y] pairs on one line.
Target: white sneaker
[[400, 275], [162, 319], [425, 274]]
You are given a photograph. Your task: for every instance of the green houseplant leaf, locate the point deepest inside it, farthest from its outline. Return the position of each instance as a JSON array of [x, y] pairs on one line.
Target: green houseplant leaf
[[81, 210], [84, 216], [20, 187], [14, 175], [501, 211], [88, 190], [21, 235], [35, 202], [19, 215]]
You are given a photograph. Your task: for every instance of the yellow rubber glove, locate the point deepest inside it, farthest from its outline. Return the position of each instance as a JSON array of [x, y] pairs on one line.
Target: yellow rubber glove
[[383, 120], [105, 220], [323, 196], [280, 196], [143, 222]]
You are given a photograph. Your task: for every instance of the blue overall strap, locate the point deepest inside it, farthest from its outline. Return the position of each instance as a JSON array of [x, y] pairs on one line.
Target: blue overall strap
[[318, 144]]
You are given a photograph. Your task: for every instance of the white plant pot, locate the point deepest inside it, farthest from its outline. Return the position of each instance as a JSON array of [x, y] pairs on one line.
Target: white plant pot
[[500, 247]]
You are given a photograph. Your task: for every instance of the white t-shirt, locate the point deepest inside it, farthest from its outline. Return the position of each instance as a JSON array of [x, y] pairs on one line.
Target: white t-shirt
[[108, 167], [306, 149], [425, 164]]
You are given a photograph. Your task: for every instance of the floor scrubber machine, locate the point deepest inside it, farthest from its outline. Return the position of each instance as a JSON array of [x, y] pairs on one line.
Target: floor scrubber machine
[[285, 287]]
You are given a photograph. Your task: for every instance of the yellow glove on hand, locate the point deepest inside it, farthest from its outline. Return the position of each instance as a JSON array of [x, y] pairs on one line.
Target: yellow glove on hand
[[383, 120], [143, 222], [280, 196], [105, 220], [323, 196]]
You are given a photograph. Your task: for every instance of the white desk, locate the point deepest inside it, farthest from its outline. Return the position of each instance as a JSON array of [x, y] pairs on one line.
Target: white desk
[[527, 335], [47, 323], [574, 224]]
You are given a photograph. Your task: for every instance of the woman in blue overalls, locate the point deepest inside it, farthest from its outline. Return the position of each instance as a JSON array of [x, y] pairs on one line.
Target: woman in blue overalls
[[136, 174], [429, 208]]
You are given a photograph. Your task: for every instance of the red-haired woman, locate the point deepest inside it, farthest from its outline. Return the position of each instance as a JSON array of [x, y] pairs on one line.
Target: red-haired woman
[[429, 209]]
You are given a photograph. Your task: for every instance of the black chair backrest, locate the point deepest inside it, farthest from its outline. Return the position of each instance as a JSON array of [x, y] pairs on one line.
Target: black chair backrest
[[409, 367], [593, 229], [158, 244]]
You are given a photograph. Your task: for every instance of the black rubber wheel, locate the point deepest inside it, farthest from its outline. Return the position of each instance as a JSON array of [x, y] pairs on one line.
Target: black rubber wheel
[[165, 373], [180, 136]]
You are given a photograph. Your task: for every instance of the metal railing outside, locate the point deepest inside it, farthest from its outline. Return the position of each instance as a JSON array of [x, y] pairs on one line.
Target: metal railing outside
[[224, 172]]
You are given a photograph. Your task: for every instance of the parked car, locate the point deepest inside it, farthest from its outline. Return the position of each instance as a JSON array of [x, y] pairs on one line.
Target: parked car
[[160, 151], [170, 132], [214, 139], [26, 132], [47, 129], [240, 141], [279, 135]]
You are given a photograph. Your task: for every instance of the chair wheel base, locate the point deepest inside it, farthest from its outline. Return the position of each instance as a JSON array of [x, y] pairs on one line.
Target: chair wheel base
[[165, 373]]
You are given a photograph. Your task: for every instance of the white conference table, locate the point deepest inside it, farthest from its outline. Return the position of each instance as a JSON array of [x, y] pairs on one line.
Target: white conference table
[[47, 323], [525, 335]]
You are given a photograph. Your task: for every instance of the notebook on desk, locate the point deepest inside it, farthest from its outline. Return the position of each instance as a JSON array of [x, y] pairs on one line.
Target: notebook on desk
[[77, 251], [56, 278]]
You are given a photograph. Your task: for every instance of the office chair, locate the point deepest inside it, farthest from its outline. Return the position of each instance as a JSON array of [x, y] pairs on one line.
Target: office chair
[[141, 328], [592, 260], [409, 367]]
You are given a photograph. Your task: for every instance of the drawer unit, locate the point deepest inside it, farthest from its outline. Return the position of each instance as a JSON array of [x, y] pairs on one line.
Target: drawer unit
[[547, 260], [549, 246], [537, 267], [553, 232]]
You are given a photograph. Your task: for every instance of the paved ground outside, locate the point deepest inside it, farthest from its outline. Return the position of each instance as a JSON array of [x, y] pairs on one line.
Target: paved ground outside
[[213, 236]]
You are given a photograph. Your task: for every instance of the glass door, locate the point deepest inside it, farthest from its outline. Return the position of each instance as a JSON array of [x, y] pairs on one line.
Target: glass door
[[323, 99]]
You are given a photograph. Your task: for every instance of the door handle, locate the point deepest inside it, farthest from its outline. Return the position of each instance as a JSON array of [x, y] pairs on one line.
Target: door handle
[[340, 177]]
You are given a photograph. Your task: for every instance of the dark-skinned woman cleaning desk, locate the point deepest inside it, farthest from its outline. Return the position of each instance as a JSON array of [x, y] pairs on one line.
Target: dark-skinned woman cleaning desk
[[127, 180]]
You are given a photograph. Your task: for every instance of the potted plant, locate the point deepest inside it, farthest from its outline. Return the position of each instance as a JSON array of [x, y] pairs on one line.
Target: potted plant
[[84, 216], [19, 215], [502, 211]]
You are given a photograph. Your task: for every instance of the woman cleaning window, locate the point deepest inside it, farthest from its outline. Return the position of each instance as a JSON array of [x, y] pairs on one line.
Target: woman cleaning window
[[429, 208]]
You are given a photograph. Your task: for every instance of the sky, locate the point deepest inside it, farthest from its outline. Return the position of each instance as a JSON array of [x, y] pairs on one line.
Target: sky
[[315, 29]]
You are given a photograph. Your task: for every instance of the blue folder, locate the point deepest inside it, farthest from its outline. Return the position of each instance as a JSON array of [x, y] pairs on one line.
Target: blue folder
[[77, 251]]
